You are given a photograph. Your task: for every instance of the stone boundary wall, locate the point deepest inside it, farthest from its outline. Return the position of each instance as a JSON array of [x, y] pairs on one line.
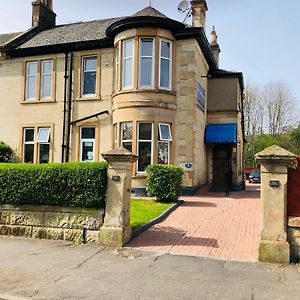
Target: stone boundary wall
[[294, 238], [57, 223]]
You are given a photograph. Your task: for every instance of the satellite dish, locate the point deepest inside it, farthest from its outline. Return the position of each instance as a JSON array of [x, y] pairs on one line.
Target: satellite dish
[[183, 6]]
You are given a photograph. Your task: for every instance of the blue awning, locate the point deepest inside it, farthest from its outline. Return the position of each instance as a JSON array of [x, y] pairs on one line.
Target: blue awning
[[221, 133]]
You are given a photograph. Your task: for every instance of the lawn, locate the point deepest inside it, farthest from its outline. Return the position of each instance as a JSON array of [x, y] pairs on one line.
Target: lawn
[[143, 211]]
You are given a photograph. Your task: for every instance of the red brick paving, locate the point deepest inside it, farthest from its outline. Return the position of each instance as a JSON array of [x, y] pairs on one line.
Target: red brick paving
[[209, 225]]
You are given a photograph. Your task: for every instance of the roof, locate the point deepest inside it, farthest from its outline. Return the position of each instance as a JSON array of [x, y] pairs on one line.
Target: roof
[[71, 33], [5, 38], [221, 133], [150, 12]]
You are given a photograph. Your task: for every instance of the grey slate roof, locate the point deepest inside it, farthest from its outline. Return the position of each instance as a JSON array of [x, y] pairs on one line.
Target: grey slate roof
[[76, 32], [71, 33], [4, 38]]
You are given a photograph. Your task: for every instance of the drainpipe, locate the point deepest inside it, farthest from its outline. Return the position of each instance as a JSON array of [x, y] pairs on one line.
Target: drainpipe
[[68, 138], [65, 109]]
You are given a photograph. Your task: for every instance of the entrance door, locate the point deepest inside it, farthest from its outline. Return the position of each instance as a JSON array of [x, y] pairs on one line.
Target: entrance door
[[221, 162]]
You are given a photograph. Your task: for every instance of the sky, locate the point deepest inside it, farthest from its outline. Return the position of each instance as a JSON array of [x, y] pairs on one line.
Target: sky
[[261, 38]]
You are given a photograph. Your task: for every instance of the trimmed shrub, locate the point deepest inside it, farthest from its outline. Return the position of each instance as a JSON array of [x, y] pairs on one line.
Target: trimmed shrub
[[7, 154], [81, 185], [164, 182]]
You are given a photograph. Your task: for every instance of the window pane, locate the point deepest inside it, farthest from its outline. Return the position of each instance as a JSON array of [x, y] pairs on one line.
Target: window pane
[[88, 133], [90, 64], [127, 72], [47, 67], [28, 153], [127, 145], [29, 135], [165, 73], [44, 150], [87, 151], [127, 131], [46, 86], [145, 131], [165, 49], [31, 87], [165, 132], [163, 153], [128, 48], [147, 47], [146, 71], [43, 135], [89, 83], [31, 68], [144, 155]]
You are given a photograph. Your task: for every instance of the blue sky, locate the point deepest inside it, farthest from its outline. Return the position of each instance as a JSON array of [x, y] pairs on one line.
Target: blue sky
[[260, 38]]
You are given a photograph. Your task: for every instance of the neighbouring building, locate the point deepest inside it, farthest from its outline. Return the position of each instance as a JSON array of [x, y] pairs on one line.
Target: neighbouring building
[[144, 82]]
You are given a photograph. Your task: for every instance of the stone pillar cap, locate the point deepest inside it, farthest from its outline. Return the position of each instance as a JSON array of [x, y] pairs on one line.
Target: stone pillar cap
[[119, 154], [275, 153]]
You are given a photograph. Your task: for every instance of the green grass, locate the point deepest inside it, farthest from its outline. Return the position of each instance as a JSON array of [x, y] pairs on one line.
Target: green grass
[[143, 211]]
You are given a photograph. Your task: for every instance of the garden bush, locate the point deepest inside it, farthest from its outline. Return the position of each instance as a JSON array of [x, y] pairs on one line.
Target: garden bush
[[7, 154], [81, 185], [164, 182]]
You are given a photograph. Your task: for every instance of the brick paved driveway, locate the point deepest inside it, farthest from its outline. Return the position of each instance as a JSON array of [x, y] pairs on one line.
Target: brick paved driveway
[[209, 225]]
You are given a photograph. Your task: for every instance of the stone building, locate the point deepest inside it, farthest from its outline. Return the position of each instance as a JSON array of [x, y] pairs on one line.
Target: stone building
[[145, 82]]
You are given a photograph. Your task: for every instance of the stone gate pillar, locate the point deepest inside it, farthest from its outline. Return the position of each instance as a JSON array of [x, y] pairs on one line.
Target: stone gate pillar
[[274, 247], [116, 230]]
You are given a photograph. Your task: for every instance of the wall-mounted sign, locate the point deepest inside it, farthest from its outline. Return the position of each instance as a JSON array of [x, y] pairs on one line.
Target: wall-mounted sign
[[188, 166], [200, 96], [274, 183]]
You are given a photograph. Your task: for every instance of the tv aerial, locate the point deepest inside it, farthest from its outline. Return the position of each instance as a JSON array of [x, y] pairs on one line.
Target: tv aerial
[[184, 6]]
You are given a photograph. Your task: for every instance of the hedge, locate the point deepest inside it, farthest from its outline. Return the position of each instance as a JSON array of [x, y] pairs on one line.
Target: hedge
[[7, 154], [164, 182], [81, 185]]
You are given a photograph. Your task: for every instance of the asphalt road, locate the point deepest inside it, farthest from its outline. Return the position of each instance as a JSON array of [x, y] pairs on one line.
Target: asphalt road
[[35, 269]]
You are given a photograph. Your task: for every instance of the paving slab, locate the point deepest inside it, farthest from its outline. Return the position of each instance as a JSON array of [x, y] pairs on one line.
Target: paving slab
[[209, 225]]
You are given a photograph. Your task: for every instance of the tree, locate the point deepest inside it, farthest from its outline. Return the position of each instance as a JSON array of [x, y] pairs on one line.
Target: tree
[[279, 106], [7, 154]]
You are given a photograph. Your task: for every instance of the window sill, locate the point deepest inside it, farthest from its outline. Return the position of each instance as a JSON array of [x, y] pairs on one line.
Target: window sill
[[38, 101], [89, 98], [144, 91]]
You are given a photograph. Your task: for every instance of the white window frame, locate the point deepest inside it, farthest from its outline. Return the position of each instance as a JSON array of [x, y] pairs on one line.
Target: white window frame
[[126, 141], [42, 79], [43, 142], [140, 62], [117, 68], [171, 64], [89, 140], [170, 131], [123, 64], [30, 76], [138, 143], [28, 143], [83, 75]]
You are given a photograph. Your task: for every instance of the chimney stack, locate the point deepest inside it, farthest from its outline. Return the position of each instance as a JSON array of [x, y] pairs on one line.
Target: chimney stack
[[199, 9], [43, 14], [214, 46]]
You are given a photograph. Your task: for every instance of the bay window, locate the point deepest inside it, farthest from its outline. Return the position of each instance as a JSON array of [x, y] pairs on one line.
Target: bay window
[[89, 76], [165, 62], [146, 62], [126, 135], [145, 138], [117, 70], [127, 61], [87, 144], [164, 139]]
